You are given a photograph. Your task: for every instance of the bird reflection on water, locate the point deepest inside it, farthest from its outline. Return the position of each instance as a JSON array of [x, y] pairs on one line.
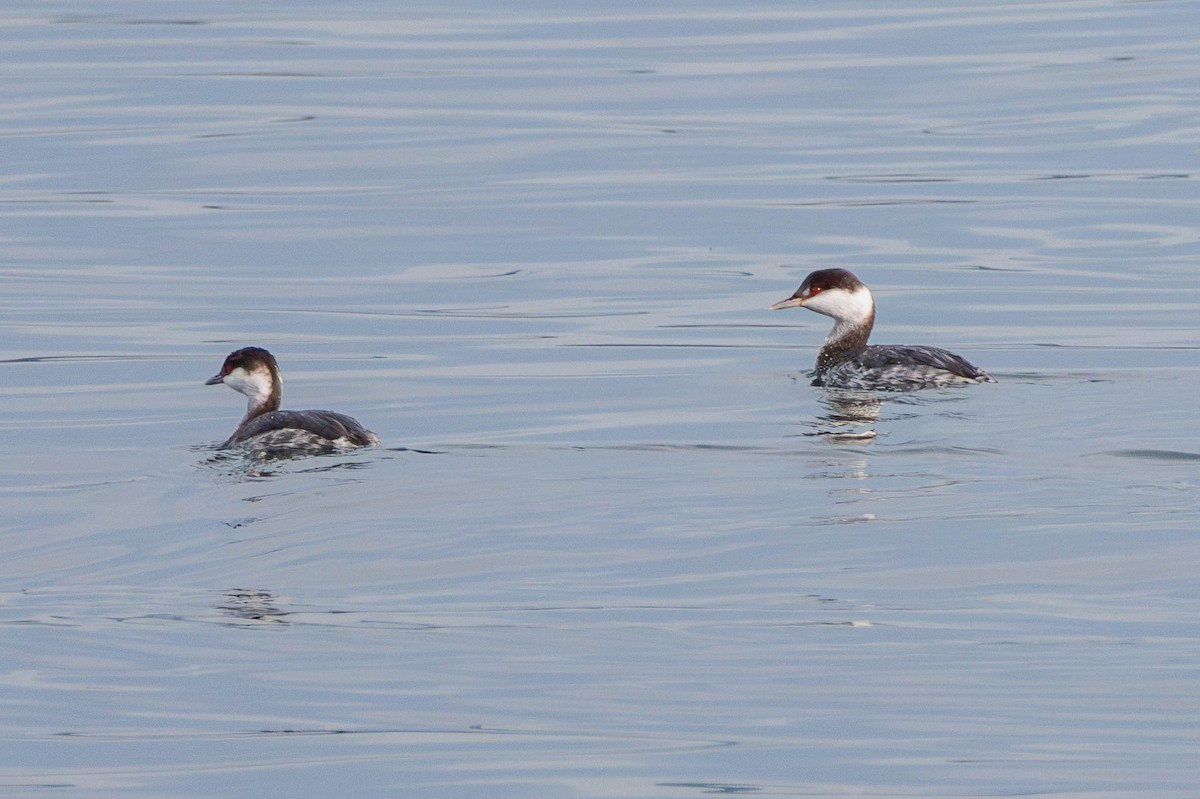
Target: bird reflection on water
[[251, 606], [849, 416]]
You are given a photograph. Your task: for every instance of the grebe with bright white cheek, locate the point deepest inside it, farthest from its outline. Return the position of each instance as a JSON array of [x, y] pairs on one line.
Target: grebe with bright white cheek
[[846, 360], [266, 429]]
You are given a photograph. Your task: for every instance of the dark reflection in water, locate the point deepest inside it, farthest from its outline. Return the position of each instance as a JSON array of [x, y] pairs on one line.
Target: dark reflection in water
[[848, 417], [246, 465], [1154, 454], [713, 788], [251, 606]]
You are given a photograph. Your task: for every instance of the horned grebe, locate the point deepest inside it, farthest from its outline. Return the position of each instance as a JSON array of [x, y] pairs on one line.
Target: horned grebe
[[268, 431], [847, 361]]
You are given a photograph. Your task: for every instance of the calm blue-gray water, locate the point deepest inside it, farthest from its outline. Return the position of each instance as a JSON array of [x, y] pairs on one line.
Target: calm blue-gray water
[[613, 543]]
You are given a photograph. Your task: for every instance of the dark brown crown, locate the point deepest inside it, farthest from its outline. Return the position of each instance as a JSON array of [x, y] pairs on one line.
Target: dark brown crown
[[249, 358], [826, 279]]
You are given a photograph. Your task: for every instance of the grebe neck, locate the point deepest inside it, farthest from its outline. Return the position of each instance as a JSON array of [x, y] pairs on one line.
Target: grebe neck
[[847, 337]]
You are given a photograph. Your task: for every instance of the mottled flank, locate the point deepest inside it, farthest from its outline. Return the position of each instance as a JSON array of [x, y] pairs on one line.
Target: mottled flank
[[898, 368], [312, 431]]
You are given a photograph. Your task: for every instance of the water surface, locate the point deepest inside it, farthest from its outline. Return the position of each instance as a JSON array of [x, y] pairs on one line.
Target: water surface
[[613, 545]]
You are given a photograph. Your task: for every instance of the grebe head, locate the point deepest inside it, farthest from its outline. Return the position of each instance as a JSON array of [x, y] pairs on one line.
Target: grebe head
[[252, 371], [836, 293]]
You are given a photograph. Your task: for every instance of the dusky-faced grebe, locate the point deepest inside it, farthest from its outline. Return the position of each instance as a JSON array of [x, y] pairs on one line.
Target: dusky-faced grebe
[[267, 430], [847, 361]]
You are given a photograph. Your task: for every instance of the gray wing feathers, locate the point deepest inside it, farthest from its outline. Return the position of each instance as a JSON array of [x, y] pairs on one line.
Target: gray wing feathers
[[326, 424], [881, 356]]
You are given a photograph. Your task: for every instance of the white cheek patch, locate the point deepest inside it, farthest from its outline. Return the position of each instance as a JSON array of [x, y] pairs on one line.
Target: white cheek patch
[[254, 385], [237, 380], [851, 306]]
